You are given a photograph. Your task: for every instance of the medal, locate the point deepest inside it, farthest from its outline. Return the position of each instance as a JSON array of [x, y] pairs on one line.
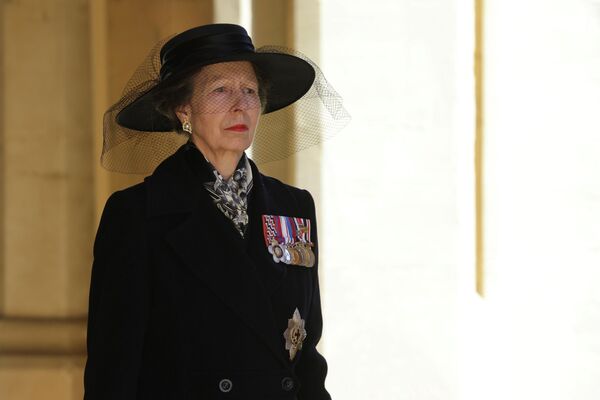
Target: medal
[[288, 239], [276, 250], [301, 254], [287, 257], [311, 257], [296, 258]]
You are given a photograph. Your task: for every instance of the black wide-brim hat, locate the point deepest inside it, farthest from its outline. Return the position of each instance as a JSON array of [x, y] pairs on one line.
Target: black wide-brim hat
[[289, 77]]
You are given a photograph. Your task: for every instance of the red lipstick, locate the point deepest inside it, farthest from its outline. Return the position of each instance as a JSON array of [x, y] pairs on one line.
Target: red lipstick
[[237, 128]]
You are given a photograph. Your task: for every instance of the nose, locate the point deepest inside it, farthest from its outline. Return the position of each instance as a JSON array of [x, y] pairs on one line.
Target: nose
[[240, 101], [244, 99]]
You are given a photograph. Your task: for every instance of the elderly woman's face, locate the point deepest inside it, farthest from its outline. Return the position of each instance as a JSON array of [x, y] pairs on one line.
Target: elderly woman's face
[[225, 107]]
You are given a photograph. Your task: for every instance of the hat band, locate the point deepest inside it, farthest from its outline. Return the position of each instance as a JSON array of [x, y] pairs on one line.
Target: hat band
[[203, 50]]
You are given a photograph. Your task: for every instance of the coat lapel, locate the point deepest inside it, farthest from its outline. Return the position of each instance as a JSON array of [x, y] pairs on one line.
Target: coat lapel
[[211, 248]]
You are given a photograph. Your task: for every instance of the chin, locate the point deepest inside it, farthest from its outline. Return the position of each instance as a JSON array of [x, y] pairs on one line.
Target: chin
[[238, 145]]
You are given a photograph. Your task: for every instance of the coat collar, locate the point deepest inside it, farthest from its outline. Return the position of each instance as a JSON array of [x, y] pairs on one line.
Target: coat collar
[[177, 187], [177, 182]]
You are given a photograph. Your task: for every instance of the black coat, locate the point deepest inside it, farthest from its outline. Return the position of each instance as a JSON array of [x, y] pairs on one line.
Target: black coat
[[182, 307]]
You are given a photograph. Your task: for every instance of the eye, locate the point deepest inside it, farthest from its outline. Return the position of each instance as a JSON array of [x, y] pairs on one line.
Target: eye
[[249, 90], [220, 89]]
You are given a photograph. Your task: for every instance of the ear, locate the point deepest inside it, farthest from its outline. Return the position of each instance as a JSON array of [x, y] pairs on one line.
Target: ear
[[184, 112]]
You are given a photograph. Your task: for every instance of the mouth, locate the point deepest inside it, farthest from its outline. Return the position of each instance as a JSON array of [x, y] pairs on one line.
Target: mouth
[[237, 128]]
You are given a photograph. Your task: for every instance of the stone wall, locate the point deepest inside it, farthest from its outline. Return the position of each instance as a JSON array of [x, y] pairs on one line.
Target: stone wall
[[62, 63]]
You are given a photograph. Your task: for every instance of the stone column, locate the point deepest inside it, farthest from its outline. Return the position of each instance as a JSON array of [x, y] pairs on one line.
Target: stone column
[[125, 31], [272, 25], [47, 197], [62, 63], [296, 25]]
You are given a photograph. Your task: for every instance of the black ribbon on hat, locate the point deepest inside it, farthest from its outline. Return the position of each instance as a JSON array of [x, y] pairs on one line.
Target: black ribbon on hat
[[203, 50]]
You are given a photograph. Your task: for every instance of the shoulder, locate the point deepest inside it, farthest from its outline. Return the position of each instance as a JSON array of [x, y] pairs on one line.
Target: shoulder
[[279, 189], [274, 184], [137, 199], [285, 192], [121, 222], [124, 213], [131, 200]]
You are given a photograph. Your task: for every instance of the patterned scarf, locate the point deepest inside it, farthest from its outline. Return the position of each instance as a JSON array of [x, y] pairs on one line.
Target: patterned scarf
[[231, 195]]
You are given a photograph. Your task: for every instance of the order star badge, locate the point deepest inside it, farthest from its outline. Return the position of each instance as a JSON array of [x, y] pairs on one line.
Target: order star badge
[[294, 334]]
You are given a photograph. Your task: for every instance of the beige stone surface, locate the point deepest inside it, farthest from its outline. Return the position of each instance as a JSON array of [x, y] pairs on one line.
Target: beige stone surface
[[134, 27], [47, 175], [42, 336], [270, 26], [62, 63], [2, 164], [36, 378]]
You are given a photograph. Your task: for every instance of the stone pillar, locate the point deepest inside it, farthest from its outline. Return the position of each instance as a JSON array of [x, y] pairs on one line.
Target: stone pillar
[[47, 197], [272, 25], [307, 39], [296, 25], [62, 63], [125, 31]]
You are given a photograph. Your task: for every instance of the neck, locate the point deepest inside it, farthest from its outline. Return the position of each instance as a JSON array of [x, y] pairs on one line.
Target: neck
[[224, 162]]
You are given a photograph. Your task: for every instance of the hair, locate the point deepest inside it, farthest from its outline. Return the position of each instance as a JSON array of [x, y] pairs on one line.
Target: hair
[[178, 93]]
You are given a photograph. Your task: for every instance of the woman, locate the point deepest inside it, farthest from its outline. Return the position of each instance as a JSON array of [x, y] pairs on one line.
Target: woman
[[204, 282]]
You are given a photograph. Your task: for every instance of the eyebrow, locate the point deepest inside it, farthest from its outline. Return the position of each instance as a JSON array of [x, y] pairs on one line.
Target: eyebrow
[[216, 78]]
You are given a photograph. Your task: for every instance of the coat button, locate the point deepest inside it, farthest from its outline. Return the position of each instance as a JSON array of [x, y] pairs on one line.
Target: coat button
[[287, 384], [225, 385]]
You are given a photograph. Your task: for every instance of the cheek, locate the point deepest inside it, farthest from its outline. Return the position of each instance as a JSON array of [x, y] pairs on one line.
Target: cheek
[[208, 124], [255, 116]]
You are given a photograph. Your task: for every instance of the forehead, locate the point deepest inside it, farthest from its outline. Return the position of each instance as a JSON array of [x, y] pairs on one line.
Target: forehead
[[242, 70]]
